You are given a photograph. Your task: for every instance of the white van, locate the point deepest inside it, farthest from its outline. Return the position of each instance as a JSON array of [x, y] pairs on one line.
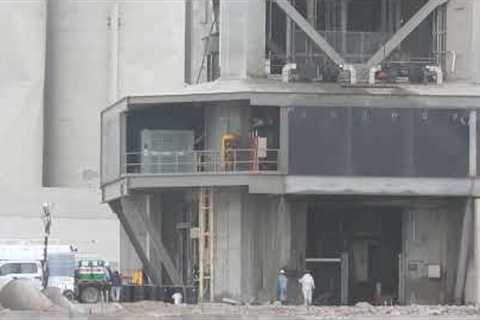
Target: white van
[[20, 269]]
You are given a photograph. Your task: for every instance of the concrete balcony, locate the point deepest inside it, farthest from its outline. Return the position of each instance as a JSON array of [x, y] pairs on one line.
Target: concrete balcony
[[379, 142]]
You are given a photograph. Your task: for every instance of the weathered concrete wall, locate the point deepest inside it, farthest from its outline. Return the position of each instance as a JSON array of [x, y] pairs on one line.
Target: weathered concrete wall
[[431, 236], [254, 240], [266, 230], [82, 77], [22, 65], [463, 39], [151, 46], [242, 39], [228, 243]]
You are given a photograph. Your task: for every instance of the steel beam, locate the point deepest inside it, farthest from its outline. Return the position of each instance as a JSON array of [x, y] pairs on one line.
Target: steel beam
[[310, 31], [403, 32], [136, 216]]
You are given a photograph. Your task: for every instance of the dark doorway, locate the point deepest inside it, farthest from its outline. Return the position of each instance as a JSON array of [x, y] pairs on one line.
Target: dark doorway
[[372, 238]]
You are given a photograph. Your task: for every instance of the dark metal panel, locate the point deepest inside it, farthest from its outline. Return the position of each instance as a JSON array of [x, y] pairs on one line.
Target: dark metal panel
[[441, 143], [318, 141], [379, 142]]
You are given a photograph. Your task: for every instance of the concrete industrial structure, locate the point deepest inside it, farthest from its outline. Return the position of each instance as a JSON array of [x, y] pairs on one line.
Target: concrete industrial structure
[[265, 163], [65, 60]]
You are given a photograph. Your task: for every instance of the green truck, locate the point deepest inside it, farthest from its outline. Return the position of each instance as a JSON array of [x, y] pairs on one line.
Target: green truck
[[92, 279]]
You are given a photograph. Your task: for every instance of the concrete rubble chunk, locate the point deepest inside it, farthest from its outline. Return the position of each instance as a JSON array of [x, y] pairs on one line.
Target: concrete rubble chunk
[[22, 295], [231, 301], [56, 297]]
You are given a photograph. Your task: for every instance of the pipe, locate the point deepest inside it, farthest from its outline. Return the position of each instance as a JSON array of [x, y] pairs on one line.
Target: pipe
[[454, 60], [372, 72], [114, 26]]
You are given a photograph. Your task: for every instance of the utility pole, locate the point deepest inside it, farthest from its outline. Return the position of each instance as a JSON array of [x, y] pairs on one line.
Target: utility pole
[[47, 223]]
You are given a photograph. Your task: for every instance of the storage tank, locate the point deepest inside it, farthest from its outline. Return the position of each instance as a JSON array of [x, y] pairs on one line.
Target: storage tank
[[22, 65], [77, 89]]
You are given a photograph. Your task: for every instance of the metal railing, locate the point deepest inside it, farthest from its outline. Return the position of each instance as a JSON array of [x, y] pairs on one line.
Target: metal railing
[[201, 161]]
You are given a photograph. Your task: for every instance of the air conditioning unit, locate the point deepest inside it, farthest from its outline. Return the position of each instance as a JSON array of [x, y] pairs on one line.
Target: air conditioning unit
[[167, 151]]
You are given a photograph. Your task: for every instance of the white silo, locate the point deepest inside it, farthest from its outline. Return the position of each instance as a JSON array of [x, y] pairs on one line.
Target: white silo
[[22, 65], [77, 89], [99, 51]]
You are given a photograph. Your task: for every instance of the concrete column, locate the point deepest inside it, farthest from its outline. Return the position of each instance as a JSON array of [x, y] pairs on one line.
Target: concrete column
[[232, 117], [473, 144], [228, 243], [284, 141], [463, 40], [476, 252], [476, 41], [242, 39]]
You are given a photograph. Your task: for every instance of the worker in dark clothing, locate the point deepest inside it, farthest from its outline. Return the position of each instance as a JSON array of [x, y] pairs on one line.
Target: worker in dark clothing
[[116, 286]]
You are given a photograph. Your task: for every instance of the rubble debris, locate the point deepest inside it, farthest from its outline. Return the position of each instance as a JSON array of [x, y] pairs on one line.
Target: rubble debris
[[272, 311], [56, 297], [363, 305], [24, 296], [231, 301]]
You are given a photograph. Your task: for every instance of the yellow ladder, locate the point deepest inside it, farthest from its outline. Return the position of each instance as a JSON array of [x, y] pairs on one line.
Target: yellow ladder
[[206, 244]]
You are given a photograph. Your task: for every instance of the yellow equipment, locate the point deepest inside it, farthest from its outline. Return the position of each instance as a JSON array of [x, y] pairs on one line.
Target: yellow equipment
[[230, 142]]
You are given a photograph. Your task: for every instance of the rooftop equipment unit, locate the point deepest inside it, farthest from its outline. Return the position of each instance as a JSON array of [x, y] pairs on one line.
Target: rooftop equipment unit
[[167, 151]]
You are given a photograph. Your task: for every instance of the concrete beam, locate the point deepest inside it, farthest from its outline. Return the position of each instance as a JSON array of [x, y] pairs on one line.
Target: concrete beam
[[137, 218], [310, 31], [114, 190], [128, 225], [404, 31], [257, 183], [393, 186]]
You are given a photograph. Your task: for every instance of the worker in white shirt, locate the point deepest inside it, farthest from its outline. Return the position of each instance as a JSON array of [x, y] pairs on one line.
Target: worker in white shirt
[[308, 284]]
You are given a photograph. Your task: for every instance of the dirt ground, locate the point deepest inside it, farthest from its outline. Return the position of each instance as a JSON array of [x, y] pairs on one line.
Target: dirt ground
[[155, 310]]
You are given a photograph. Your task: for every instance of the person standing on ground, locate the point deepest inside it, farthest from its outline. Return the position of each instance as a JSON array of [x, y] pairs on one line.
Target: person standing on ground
[[116, 286], [282, 282], [107, 278], [308, 284]]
